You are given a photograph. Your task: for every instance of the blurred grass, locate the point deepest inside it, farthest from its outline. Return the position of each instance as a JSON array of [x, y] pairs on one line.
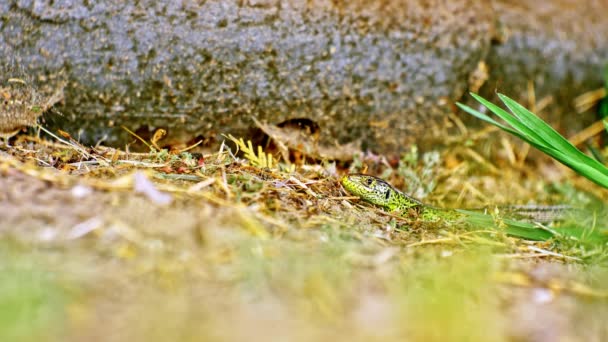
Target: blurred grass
[[33, 302], [450, 298]]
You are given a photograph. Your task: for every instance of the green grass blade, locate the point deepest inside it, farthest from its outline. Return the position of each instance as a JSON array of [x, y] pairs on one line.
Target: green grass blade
[[583, 169], [512, 120], [533, 130], [548, 134], [487, 119], [484, 117], [523, 230]]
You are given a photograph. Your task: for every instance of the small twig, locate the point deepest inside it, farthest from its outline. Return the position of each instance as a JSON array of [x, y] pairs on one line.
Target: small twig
[[70, 144], [521, 255], [546, 252], [587, 100], [434, 241], [190, 147], [224, 184], [201, 185], [141, 163], [138, 138], [303, 186], [350, 198], [590, 131]]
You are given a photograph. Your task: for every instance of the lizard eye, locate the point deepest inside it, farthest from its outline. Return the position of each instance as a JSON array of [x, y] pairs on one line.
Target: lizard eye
[[369, 181], [387, 194]]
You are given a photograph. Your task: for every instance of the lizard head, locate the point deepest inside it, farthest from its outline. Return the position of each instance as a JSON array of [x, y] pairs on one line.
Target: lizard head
[[369, 188]]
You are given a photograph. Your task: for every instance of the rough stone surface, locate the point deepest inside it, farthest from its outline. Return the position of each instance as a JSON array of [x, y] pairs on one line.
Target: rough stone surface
[[559, 46], [385, 72]]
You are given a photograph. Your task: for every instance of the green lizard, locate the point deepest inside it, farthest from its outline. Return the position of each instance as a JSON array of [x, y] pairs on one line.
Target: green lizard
[[377, 191]]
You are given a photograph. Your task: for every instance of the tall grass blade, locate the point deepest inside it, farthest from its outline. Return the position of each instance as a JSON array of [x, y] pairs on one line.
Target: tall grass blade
[[548, 134], [530, 128], [523, 230]]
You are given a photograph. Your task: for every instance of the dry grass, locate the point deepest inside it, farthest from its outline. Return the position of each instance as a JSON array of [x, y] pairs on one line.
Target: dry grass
[[106, 244]]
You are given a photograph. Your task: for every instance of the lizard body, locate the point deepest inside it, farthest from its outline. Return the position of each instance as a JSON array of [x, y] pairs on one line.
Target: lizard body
[[379, 192]]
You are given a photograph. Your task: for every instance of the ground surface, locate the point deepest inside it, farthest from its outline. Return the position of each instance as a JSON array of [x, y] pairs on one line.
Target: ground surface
[[100, 244]]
